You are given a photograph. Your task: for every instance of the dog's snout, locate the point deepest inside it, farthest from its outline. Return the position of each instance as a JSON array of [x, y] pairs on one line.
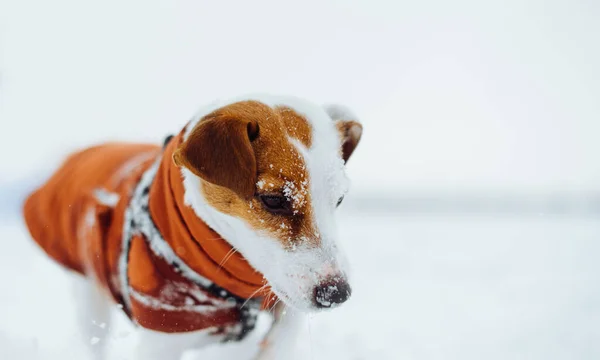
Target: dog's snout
[[331, 293]]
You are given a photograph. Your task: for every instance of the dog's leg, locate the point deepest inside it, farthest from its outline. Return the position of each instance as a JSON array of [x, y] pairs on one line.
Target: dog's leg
[[93, 309], [154, 345], [280, 341]]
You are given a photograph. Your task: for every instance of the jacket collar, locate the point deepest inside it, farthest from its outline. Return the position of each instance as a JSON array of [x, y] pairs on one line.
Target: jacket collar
[[196, 244]]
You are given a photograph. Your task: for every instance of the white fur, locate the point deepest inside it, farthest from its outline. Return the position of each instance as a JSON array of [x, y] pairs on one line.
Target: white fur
[[339, 112], [281, 338]]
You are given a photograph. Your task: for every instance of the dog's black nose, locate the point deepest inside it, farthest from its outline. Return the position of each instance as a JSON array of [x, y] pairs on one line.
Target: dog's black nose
[[331, 292]]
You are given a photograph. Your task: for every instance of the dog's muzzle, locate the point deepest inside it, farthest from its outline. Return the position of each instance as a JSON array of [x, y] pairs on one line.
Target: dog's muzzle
[[331, 293]]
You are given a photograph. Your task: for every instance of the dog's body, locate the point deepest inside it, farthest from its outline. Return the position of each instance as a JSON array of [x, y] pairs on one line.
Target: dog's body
[[192, 239]]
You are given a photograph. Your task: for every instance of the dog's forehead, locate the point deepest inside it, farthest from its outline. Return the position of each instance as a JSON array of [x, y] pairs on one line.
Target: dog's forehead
[[298, 140], [313, 138], [315, 116]]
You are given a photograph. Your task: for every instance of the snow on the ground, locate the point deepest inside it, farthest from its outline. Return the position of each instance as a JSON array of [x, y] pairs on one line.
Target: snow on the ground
[[424, 288]]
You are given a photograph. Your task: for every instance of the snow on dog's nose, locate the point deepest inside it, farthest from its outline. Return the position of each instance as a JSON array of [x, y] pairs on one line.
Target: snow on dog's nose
[[331, 292]]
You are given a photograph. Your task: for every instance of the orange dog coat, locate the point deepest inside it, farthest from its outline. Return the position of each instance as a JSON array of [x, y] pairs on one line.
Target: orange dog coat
[[116, 213]]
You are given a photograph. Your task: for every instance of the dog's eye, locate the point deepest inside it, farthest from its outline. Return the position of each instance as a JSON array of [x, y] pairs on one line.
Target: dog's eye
[[340, 201], [276, 204]]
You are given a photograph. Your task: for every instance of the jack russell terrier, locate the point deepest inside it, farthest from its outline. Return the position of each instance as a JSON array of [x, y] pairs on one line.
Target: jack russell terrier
[[232, 216]]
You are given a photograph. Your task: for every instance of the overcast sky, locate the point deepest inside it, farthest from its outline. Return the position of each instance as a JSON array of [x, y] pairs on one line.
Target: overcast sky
[[453, 95]]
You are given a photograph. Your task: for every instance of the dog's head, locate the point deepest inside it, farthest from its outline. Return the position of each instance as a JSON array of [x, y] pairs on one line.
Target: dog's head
[[268, 174]]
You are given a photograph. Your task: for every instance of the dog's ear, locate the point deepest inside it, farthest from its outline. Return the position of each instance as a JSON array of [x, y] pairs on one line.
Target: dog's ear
[[219, 150], [348, 126]]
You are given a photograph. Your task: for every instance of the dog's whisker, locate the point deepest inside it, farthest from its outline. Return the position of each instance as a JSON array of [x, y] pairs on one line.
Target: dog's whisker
[[274, 305], [254, 293], [227, 256]]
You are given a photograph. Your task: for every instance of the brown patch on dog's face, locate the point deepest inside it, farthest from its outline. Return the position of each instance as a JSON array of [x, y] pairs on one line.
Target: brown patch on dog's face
[[280, 171], [296, 125]]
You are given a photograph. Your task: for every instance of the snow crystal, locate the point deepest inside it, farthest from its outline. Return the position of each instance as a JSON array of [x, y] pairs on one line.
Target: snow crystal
[[88, 223], [158, 304], [106, 198], [123, 334], [101, 325], [90, 217], [131, 165], [296, 195]]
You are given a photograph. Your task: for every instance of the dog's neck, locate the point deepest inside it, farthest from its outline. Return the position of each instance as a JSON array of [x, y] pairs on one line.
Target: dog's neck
[[191, 239]]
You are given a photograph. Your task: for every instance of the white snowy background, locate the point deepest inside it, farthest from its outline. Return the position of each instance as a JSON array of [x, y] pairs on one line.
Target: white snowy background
[[473, 224]]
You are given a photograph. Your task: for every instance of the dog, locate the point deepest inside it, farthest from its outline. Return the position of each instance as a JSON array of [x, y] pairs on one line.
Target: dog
[[232, 216]]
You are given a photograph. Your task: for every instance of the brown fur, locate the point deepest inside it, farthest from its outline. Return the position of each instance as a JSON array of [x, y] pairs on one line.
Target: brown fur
[[296, 125], [279, 166], [219, 148]]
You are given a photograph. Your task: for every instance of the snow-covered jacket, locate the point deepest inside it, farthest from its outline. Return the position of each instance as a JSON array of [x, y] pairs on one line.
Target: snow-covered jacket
[[116, 213]]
